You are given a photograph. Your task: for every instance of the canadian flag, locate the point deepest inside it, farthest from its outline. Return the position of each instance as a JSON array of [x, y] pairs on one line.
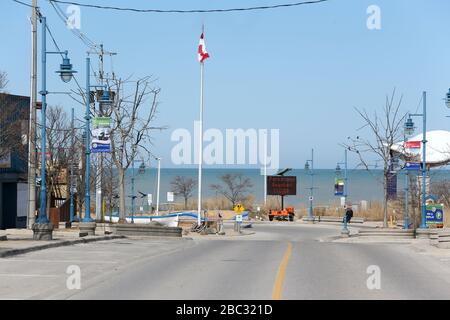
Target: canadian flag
[[202, 54]]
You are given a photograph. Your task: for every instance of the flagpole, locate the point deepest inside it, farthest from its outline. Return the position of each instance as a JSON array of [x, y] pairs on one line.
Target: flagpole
[[200, 150]]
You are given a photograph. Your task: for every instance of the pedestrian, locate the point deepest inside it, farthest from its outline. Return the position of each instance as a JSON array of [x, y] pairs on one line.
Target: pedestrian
[[349, 214]]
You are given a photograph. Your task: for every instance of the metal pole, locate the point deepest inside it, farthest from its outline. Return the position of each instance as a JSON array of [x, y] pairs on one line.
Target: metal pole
[[157, 187], [132, 191], [200, 151], [99, 156], [310, 213], [265, 167], [32, 128], [345, 193], [87, 197], [43, 198], [71, 166], [424, 163], [406, 199]]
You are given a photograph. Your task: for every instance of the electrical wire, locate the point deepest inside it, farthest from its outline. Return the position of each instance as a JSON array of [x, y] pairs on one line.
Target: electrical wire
[[88, 42], [285, 5], [24, 4]]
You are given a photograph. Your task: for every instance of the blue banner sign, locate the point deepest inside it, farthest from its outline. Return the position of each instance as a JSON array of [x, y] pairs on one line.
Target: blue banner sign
[[413, 166], [435, 214]]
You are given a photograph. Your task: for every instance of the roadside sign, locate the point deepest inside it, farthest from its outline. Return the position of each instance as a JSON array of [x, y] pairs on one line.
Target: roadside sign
[[434, 215], [238, 208], [169, 196], [239, 218], [413, 166], [412, 144], [311, 198]]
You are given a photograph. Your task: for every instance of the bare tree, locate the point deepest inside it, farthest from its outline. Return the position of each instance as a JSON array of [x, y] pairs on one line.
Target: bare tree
[[3, 81], [385, 130], [442, 190], [58, 132], [182, 186], [13, 123], [236, 187], [132, 117]]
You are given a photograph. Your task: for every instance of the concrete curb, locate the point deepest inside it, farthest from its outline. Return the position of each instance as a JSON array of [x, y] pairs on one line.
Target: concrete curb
[[13, 252]]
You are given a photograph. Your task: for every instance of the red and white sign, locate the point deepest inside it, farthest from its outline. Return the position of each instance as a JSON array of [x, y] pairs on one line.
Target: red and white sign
[[202, 54], [412, 144]]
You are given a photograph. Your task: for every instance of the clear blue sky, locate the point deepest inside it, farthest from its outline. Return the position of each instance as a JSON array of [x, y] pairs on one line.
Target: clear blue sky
[[301, 70]]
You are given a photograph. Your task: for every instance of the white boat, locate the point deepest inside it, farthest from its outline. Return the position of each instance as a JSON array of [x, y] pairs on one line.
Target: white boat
[[170, 220]]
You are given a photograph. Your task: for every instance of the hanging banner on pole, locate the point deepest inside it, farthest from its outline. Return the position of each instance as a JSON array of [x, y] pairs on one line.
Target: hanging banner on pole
[[338, 187], [101, 140]]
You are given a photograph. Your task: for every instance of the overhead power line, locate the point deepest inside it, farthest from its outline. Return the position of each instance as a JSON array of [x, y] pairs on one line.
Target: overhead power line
[[88, 42], [23, 3], [285, 5]]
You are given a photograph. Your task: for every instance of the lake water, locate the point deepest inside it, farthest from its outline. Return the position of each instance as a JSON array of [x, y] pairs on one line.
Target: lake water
[[362, 184]]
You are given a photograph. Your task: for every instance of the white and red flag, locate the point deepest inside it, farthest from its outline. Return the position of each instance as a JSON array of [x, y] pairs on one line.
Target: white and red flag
[[202, 54]]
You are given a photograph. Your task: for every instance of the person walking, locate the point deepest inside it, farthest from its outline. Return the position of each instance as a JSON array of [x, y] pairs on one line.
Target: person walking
[[349, 213]]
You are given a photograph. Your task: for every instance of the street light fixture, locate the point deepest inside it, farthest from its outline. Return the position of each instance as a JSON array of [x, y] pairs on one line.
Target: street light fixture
[[409, 127], [105, 100], [43, 229], [307, 166], [65, 71], [447, 99]]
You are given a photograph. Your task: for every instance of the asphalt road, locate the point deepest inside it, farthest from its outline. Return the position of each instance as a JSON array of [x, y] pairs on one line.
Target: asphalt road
[[280, 261]]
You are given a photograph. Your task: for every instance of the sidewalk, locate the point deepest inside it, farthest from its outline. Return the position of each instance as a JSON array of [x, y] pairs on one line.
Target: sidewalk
[[19, 241]]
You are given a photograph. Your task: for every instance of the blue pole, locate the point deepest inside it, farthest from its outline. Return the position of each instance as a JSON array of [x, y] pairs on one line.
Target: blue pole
[[345, 192], [424, 163], [132, 192], [71, 168], [406, 199], [87, 197], [43, 198]]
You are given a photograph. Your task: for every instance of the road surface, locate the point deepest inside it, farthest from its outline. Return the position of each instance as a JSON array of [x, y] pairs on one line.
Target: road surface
[[280, 261]]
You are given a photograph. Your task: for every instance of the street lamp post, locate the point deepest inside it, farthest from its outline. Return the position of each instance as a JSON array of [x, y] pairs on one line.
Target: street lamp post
[[87, 147], [408, 130], [88, 224], [310, 169], [345, 230], [409, 125], [42, 229], [72, 186], [104, 101]]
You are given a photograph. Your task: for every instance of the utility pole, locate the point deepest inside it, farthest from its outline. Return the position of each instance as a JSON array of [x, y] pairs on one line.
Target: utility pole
[[265, 168], [32, 126], [99, 156], [72, 160], [98, 180]]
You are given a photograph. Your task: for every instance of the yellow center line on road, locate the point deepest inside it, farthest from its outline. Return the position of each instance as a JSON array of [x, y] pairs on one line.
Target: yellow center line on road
[[279, 280]]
